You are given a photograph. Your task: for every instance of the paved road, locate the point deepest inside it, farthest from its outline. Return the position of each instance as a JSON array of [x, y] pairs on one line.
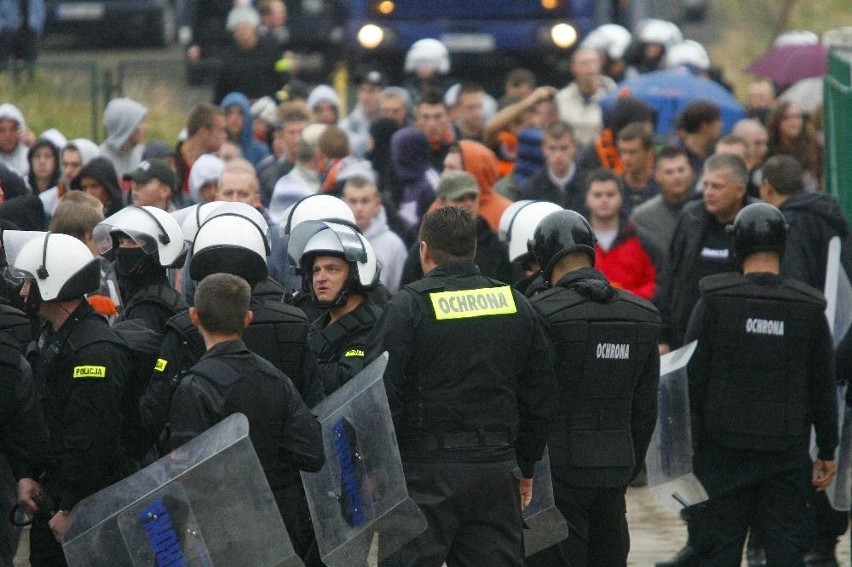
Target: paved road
[[657, 533]]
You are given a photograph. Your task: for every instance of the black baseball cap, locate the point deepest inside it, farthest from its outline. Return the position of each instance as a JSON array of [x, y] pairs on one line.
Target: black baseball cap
[[154, 168]]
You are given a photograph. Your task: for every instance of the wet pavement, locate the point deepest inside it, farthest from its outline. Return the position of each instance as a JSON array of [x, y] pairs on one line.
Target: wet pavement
[[657, 533]]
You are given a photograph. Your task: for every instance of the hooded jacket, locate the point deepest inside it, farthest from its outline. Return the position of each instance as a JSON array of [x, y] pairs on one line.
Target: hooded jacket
[[389, 248], [101, 169], [410, 154], [17, 158], [121, 118], [814, 219], [253, 150], [482, 163]]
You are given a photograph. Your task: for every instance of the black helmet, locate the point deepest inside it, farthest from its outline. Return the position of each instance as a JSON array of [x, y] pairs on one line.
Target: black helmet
[[561, 233], [759, 227]]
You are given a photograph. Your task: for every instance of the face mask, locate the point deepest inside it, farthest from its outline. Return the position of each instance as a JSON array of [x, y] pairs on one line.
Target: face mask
[[129, 262], [32, 301]]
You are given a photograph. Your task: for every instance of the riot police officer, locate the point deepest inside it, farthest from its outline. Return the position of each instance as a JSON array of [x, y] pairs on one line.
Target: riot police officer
[[517, 226], [470, 385], [761, 375], [233, 238], [23, 434], [229, 379], [340, 268], [145, 241], [606, 350], [83, 365], [319, 206]]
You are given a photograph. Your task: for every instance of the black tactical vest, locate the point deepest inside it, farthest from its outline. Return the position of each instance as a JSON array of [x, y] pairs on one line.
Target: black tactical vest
[[601, 349], [472, 341], [757, 392], [278, 333]]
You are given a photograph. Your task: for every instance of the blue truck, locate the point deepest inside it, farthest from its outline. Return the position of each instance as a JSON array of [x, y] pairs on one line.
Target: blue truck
[[485, 37]]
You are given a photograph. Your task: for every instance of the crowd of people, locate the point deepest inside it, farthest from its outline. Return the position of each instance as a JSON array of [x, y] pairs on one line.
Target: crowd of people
[[275, 248]]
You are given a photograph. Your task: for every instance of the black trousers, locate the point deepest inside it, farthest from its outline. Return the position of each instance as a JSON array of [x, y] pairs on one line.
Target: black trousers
[[473, 511], [597, 524], [770, 493], [45, 551]]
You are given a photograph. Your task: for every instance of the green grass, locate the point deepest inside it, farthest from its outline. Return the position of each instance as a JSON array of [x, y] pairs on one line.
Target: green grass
[[70, 96]]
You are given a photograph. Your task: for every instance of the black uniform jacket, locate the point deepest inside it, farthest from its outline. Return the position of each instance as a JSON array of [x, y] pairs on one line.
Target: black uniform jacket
[[230, 379], [470, 375], [84, 366]]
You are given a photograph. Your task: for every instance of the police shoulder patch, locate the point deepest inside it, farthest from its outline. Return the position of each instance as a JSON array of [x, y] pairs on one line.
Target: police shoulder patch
[[160, 365], [354, 352], [468, 303], [89, 371]]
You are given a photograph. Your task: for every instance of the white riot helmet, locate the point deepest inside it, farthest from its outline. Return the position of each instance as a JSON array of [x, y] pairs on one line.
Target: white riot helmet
[[153, 229], [518, 224], [61, 266], [689, 52], [663, 32], [198, 214], [322, 238], [611, 38], [315, 207], [233, 240], [796, 37], [428, 52]]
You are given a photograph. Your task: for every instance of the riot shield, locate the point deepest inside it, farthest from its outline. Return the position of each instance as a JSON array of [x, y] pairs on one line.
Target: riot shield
[[205, 504], [838, 311], [359, 501], [840, 489], [838, 492], [838, 294], [669, 457], [544, 524]]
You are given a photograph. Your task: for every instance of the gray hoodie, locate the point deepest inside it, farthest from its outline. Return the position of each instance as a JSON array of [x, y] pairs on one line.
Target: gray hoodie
[[121, 118]]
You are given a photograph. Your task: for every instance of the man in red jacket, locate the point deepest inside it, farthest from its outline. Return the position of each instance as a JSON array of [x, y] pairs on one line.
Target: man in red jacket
[[623, 257]]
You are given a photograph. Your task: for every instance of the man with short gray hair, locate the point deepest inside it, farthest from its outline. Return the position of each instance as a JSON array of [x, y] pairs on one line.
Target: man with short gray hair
[[701, 246]]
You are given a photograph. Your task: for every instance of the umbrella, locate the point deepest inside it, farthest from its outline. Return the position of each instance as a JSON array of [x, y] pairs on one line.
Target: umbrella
[[668, 92], [789, 64], [806, 94]]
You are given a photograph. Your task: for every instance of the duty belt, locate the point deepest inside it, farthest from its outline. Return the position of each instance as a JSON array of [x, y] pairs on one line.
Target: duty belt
[[451, 441]]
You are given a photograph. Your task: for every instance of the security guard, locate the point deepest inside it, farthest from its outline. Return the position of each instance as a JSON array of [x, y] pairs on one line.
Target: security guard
[[609, 366], [340, 268], [230, 379], [146, 241], [233, 239], [470, 384], [761, 375], [23, 434], [83, 365]]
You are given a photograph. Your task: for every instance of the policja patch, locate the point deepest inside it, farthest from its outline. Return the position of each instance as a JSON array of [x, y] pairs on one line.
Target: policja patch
[[88, 371], [467, 303]]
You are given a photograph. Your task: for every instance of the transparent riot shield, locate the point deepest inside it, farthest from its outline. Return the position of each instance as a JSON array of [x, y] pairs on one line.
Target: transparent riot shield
[[359, 501], [840, 489], [669, 457], [838, 311], [206, 504], [838, 294], [544, 524]]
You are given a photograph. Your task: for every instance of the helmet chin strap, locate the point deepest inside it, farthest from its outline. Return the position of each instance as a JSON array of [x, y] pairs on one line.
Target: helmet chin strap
[[338, 301]]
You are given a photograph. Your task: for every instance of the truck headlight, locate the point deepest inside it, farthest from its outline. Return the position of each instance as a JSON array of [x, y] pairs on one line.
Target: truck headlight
[[370, 36], [563, 35]]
